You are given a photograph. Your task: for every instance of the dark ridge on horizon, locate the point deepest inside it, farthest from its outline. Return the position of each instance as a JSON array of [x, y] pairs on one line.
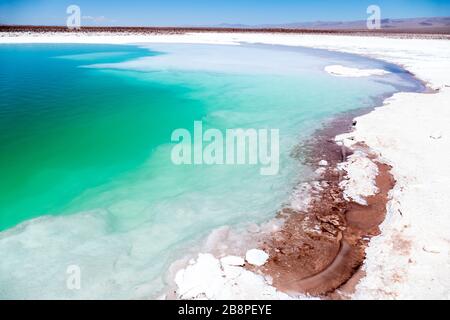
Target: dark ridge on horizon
[[421, 25], [416, 32], [389, 26], [386, 23]]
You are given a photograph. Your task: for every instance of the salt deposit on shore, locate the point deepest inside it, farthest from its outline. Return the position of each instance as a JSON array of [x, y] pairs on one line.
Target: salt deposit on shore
[[210, 278], [359, 182], [410, 259], [341, 71]]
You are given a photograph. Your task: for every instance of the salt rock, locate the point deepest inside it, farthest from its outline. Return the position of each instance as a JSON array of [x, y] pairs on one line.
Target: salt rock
[[232, 272], [323, 163], [256, 257], [320, 171], [232, 261], [202, 279], [436, 135], [435, 247], [342, 71]]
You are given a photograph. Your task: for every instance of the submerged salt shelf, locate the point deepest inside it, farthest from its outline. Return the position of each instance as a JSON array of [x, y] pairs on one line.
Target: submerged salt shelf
[[341, 71], [124, 229]]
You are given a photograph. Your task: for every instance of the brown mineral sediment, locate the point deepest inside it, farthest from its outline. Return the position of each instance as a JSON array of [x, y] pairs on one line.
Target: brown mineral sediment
[[319, 252]]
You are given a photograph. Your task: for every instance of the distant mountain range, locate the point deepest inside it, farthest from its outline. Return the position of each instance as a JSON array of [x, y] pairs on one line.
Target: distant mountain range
[[430, 25], [438, 24]]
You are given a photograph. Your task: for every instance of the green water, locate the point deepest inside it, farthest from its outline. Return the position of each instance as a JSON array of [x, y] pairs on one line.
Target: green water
[[65, 129], [85, 148]]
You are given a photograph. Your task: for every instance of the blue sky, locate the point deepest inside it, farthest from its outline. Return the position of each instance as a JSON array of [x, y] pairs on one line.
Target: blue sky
[[207, 12]]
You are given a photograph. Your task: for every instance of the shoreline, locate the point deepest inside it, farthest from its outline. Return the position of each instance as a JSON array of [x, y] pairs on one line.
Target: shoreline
[[344, 225], [313, 252], [333, 235], [396, 259], [348, 225]]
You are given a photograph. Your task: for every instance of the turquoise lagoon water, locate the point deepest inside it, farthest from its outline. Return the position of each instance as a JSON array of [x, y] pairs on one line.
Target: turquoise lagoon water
[[86, 175]]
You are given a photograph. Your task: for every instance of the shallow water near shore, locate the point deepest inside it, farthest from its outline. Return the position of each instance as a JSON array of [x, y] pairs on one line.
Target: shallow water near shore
[[85, 153]]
